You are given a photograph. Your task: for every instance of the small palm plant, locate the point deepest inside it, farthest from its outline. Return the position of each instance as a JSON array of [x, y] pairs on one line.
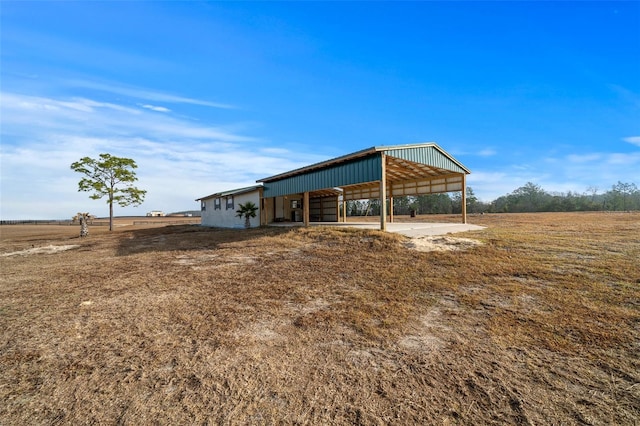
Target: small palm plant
[[247, 210], [83, 218]]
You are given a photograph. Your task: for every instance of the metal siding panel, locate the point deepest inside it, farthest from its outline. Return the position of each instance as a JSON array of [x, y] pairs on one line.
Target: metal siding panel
[[367, 169]]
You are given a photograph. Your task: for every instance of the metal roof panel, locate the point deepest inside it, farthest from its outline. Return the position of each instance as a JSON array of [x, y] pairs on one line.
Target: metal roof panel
[[357, 170], [231, 192]]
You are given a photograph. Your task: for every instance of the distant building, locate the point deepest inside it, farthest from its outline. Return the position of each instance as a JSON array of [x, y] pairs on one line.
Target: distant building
[[155, 213]]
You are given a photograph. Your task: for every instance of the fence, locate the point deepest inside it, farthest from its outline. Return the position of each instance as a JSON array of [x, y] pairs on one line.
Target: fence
[[99, 223], [167, 222], [37, 222]]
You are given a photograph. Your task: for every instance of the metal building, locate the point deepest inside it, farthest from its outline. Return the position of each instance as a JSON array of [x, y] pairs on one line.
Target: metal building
[[314, 193]]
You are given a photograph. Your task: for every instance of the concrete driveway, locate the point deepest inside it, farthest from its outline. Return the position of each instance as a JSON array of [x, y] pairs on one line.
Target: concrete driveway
[[410, 229]]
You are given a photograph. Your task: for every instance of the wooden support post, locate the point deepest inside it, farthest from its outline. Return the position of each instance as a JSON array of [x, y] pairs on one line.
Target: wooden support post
[[464, 198], [263, 204], [344, 209], [383, 193], [305, 208], [390, 206]]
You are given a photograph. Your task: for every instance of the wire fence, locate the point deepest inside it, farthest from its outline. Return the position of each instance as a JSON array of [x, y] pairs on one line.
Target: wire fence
[[38, 222], [166, 222], [98, 223], [48, 222]]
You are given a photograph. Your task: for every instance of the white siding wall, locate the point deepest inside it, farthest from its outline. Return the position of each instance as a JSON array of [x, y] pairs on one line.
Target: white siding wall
[[224, 218]]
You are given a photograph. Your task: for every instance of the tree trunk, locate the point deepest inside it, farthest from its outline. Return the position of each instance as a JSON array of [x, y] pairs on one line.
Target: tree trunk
[[247, 223], [110, 215], [84, 229]]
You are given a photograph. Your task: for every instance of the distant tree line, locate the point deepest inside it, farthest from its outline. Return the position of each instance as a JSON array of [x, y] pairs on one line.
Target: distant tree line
[[527, 198]]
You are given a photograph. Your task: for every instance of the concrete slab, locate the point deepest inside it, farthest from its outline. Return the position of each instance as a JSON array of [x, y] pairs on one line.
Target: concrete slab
[[410, 229], [422, 229]]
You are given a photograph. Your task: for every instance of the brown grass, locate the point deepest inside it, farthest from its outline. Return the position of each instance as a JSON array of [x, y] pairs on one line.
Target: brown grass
[[185, 325]]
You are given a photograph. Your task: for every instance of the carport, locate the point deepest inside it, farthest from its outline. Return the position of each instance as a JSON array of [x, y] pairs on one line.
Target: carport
[[374, 173]]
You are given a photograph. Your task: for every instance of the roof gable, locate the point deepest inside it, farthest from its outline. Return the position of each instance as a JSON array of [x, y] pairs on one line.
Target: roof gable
[[431, 155], [232, 192]]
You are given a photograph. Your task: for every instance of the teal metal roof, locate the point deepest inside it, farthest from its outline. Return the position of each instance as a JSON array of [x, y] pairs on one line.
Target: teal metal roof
[[355, 171], [427, 146], [431, 155], [357, 168]]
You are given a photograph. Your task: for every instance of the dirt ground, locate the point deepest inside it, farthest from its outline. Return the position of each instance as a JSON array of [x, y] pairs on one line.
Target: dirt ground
[[533, 320]]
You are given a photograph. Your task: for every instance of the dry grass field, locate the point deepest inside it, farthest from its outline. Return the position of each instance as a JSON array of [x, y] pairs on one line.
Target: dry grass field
[[540, 324]]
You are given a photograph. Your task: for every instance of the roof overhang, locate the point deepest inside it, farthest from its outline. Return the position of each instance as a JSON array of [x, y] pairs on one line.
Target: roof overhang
[[237, 191]]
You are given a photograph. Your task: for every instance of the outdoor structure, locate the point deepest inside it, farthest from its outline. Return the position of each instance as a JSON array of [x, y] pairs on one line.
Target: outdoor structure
[[219, 209], [155, 213], [316, 192]]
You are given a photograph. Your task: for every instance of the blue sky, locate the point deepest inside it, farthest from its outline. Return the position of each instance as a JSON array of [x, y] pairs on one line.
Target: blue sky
[[210, 96]]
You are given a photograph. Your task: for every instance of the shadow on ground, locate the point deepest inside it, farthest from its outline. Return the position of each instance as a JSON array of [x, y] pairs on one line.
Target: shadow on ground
[[188, 237]]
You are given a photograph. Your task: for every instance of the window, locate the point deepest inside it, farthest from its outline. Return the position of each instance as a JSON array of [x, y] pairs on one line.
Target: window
[[230, 202], [203, 205], [216, 204]]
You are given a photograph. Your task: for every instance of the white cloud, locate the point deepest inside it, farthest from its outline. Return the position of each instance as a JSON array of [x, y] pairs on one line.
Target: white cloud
[[280, 151], [156, 108], [484, 152], [178, 159], [635, 140], [599, 169], [572, 172], [488, 152], [489, 185], [584, 158], [625, 159], [140, 93], [34, 114]]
